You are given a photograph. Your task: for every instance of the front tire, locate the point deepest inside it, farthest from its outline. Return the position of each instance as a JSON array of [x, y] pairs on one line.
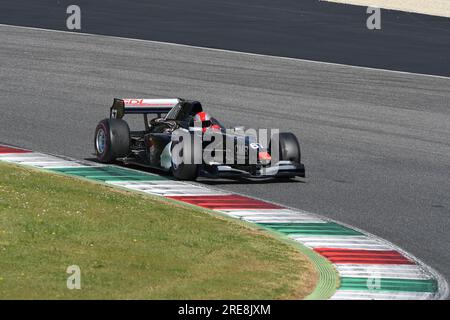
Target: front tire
[[112, 140], [289, 147], [184, 171]]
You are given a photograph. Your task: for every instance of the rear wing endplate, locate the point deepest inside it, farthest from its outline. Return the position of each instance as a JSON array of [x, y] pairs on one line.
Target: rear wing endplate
[[121, 107]]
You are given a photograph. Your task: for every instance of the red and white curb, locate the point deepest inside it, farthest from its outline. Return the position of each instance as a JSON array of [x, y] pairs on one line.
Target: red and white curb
[[369, 267]]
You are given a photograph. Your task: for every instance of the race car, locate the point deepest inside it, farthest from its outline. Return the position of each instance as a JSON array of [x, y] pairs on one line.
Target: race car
[[162, 143]]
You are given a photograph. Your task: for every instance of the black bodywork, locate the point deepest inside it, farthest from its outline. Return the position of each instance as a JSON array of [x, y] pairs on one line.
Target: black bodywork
[[152, 147]]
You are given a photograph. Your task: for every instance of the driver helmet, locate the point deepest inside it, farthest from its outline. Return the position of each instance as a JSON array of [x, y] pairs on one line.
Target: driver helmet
[[205, 119]]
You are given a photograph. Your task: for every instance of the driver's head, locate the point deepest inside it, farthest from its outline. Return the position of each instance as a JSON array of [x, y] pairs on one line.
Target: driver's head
[[204, 118]]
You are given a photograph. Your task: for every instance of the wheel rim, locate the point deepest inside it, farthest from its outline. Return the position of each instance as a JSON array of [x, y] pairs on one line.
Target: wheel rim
[[100, 141], [174, 165]]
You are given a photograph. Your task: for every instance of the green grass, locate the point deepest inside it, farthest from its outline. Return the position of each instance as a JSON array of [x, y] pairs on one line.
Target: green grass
[[131, 246]]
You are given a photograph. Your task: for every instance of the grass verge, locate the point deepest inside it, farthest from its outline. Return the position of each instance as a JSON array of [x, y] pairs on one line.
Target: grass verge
[[130, 246]]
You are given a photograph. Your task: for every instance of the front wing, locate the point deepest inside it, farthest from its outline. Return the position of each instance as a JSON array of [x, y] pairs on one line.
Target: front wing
[[287, 169]]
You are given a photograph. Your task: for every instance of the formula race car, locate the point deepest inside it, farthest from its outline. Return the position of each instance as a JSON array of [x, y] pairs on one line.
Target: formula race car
[[170, 138]]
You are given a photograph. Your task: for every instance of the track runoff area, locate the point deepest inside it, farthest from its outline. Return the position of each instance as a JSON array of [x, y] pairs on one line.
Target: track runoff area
[[368, 267]]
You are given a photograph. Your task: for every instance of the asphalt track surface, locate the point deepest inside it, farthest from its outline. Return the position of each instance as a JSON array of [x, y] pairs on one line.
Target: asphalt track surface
[[376, 144], [308, 29]]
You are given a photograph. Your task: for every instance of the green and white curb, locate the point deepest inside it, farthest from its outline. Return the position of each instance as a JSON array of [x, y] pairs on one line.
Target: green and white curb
[[368, 267]]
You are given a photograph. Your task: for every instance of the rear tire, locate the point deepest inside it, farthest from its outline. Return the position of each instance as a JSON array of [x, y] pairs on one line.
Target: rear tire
[[112, 140], [289, 147]]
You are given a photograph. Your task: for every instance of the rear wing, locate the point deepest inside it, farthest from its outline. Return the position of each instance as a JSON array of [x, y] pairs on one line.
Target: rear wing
[[121, 107]]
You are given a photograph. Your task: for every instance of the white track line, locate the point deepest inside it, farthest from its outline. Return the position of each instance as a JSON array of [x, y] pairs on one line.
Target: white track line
[[40, 160], [394, 271], [380, 295], [270, 212], [349, 242], [166, 188]]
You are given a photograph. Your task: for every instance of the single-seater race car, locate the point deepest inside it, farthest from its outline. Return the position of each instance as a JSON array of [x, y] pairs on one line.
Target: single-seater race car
[[157, 144]]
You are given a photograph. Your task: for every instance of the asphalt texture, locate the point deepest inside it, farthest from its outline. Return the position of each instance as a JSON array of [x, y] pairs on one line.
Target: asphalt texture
[[308, 29], [376, 144]]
